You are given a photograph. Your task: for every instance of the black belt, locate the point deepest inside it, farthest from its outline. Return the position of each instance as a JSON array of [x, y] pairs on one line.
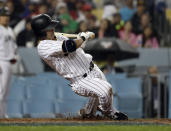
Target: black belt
[[90, 68]]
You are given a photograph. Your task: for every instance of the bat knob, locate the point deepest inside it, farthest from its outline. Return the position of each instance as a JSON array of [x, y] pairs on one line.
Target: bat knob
[[91, 35]]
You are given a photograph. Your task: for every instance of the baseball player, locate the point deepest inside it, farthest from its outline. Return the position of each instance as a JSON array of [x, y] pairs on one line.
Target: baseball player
[[69, 60], [7, 53]]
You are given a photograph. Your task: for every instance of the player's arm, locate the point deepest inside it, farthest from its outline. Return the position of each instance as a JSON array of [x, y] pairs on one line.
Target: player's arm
[[70, 45]]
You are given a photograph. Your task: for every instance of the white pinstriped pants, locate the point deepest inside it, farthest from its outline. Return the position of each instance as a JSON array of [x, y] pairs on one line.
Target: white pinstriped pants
[[5, 78], [98, 90]]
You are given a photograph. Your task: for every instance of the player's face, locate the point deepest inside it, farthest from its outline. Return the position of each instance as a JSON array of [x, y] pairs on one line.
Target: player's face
[[50, 34], [4, 20]]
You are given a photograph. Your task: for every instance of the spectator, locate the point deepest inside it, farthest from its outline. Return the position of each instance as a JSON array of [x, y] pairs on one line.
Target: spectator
[[14, 17], [1, 3], [109, 10], [43, 9], [82, 27], [79, 12], [92, 26], [51, 4], [136, 20], [145, 22], [29, 8], [71, 5], [128, 11], [117, 24], [87, 11], [110, 66], [104, 29], [148, 39], [127, 35], [26, 37], [69, 25]]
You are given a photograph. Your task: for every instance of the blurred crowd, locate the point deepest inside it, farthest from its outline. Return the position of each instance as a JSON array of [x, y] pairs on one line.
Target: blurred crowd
[[133, 21]]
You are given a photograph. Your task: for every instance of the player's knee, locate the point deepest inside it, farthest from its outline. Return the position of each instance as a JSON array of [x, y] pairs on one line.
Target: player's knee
[[69, 46]]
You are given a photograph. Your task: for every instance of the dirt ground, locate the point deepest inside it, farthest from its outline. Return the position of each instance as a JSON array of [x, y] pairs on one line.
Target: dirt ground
[[76, 120]]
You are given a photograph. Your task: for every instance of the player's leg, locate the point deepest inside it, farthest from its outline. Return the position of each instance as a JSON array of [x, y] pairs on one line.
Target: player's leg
[[5, 86], [95, 87], [89, 111], [98, 89]]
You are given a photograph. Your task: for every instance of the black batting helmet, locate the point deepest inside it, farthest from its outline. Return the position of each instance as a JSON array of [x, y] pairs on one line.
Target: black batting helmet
[[41, 23]]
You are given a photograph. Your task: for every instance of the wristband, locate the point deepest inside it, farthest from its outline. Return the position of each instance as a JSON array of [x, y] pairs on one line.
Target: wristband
[[83, 38]]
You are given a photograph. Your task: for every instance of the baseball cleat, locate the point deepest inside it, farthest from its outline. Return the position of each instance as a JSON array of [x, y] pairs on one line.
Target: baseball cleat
[[83, 115], [118, 116]]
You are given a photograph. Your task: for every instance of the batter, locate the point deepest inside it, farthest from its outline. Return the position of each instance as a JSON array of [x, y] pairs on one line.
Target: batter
[[69, 60]]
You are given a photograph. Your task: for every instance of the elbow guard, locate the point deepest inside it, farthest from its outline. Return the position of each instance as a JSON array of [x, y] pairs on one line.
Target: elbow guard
[[69, 46]]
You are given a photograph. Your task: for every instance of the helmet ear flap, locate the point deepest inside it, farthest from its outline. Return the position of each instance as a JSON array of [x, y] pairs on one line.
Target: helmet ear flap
[[41, 23], [40, 34]]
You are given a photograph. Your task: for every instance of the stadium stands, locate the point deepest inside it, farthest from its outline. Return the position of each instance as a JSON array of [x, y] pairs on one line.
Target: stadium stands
[[150, 57], [38, 109], [127, 94], [30, 59], [15, 109]]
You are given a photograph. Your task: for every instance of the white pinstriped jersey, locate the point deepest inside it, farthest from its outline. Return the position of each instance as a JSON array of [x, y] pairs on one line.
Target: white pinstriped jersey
[[73, 65], [7, 43]]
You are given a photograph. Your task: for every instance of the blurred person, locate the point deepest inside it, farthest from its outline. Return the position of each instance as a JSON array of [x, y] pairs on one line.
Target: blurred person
[[82, 27], [79, 11], [128, 11], [69, 25], [147, 39], [7, 57], [161, 7], [127, 35], [30, 9], [110, 66], [71, 5], [51, 4], [119, 3], [2, 2], [104, 29], [14, 17], [35, 9], [75, 8], [42, 9], [26, 37], [136, 19], [77, 67], [93, 25], [117, 24], [109, 10], [156, 82], [145, 21], [87, 11]]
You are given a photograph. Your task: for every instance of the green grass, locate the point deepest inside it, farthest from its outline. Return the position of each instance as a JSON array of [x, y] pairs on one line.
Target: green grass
[[85, 128]]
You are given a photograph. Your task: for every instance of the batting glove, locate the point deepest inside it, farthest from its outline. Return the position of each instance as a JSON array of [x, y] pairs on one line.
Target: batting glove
[[84, 36], [91, 35]]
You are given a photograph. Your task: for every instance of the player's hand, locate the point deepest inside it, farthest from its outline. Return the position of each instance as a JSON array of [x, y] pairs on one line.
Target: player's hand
[[84, 34], [91, 34]]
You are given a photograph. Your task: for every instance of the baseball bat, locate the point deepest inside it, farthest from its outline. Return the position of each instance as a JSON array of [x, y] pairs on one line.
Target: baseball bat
[[92, 35], [67, 35]]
